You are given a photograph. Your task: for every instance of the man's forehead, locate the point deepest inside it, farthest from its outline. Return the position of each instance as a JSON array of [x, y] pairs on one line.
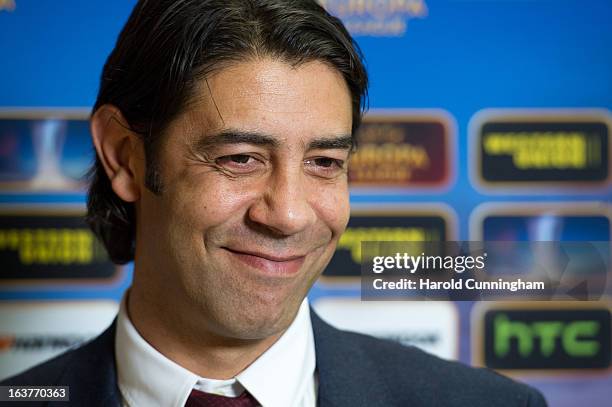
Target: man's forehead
[[262, 82], [314, 101]]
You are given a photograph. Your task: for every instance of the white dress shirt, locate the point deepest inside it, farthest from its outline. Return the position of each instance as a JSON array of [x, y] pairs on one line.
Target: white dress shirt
[[283, 376]]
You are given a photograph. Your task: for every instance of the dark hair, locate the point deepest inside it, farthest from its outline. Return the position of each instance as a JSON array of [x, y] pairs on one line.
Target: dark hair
[[167, 46]]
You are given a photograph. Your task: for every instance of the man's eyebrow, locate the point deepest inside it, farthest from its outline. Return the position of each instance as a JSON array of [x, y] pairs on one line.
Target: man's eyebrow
[[343, 142], [232, 136]]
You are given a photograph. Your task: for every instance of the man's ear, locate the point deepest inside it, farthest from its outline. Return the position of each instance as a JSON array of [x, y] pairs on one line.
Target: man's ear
[[120, 151]]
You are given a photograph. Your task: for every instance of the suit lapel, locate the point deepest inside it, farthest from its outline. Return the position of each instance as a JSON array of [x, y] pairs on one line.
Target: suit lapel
[[347, 377], [92, 374]]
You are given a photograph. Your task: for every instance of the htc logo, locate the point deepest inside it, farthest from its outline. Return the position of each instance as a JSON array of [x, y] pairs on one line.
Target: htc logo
[[547, 339]]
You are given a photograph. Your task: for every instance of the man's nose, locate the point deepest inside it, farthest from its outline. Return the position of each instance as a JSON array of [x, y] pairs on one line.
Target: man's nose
[[283, 205]]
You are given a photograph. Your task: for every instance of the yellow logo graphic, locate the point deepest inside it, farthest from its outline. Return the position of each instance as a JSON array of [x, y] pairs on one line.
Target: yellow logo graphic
[[8, 5], [352, 238], [50, 246], [376, 17], [545, 150]]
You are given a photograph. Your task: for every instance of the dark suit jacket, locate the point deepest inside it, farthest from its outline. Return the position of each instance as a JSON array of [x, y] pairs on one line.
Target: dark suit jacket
[[354, 370]]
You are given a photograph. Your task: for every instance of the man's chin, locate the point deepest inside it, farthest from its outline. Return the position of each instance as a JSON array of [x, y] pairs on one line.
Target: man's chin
[[258, 323]]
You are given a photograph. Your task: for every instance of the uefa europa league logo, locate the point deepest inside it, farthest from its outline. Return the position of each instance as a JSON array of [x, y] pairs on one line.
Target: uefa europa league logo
[[8, 5], [48, 138]]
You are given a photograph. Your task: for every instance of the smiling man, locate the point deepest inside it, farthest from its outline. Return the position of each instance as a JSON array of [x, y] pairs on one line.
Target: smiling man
[[223, 131]]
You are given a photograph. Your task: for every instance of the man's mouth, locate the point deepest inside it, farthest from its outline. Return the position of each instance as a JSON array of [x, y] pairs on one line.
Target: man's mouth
[[280, 265]]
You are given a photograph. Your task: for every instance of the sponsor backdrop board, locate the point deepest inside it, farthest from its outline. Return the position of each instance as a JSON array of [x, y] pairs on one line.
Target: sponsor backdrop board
[[433, 222], [33, 331], [541, 148], [403, 150], [44, 150], [504, 124], [431, 326], [546, 337], [45, 245]]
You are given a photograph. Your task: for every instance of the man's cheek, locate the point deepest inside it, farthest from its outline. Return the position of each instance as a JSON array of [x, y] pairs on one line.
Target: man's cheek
[[333, 204], [341, 215]]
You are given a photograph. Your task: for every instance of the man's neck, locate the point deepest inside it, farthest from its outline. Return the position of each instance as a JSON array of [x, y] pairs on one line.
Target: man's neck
[[197, 350]]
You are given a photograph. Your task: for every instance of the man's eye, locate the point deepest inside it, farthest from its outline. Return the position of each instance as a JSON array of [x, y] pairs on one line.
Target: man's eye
[[239, 158], [234, 159], [239, 163], [325, 162], [325, 166]]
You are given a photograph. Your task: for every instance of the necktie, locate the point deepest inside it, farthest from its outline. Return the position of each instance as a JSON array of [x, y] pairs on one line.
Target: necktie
[[200, 399]]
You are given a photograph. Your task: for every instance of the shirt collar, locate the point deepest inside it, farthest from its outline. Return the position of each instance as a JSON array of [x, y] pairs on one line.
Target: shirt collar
[[279, 376], [282, 374]]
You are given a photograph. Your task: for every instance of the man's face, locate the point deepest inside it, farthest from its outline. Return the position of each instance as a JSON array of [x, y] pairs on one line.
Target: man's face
[[254, 197]]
